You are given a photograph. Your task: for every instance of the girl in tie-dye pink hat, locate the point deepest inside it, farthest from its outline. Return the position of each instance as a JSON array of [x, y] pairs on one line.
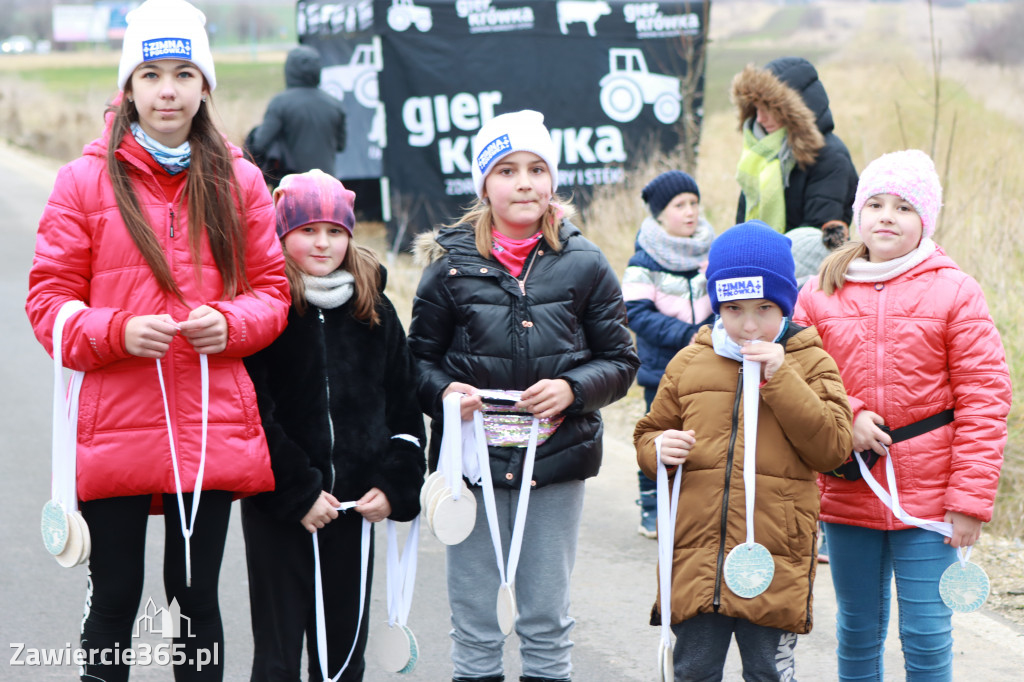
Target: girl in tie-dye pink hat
[[337, 399]]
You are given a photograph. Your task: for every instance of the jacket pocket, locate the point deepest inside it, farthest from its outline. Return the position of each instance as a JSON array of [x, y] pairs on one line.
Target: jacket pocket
[[247, 397], [88, 405]]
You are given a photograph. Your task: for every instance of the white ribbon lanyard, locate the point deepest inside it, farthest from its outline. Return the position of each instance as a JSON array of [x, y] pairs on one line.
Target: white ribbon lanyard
[[891, 500], [188, 529], [449, 461], [401, 572], [63, 455], [749, 567], [667, 510], [508, 576], [321, 626], [751, 380]]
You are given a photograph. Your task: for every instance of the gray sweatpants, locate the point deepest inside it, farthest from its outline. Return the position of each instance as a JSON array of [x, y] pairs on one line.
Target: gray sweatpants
[[541, 585]]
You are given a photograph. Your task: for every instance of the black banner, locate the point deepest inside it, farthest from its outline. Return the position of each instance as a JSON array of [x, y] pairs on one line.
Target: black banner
[[615, 81], [343, 34]]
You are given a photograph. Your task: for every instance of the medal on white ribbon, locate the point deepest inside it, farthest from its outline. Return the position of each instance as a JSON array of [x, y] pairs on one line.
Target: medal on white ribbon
[[749, 567], [448, 504], [964, 586], [64, 531], [393, 644], [506, 599], [668, 508]]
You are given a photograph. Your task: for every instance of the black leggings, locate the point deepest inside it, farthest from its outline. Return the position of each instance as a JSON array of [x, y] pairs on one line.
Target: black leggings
[[117, 526]]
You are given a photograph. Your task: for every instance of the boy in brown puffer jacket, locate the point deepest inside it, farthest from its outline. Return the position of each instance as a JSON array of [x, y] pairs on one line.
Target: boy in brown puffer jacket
[[804, 426]]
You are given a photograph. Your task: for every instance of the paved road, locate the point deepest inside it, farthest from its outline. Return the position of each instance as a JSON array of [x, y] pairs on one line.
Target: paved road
[[41, 603]]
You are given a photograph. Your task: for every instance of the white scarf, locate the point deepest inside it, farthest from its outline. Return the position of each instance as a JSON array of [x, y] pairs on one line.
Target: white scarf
[[329, 291], [863, 270], [727, 348]]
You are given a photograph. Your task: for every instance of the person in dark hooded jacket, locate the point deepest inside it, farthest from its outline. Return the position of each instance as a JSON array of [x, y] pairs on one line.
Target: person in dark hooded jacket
[[304, 126], [794, 171]]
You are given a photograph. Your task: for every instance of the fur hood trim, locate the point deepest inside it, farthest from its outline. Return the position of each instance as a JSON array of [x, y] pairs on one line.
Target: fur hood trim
[[426, 249], [755, 86]]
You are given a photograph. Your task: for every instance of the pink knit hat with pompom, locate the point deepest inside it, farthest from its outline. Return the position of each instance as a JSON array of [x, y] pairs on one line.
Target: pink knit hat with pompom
[[910, 175]]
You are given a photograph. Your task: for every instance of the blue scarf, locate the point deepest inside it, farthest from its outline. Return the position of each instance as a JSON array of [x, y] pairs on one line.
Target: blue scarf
[[727, 348], [173, 160]]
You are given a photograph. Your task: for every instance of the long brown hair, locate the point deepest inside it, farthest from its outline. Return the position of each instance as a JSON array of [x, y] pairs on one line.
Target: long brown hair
[[832, 275], [365, 268], [214, 200], [480, 216]]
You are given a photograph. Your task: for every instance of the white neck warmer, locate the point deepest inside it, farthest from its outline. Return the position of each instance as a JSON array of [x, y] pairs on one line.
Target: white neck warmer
[[863, 270], [329, 291]]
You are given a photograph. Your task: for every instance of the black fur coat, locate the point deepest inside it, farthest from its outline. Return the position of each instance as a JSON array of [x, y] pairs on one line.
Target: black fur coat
[[330, 371]]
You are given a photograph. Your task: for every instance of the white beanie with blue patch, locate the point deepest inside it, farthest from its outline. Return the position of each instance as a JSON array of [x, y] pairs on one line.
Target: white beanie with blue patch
[[521, 131], [166, 29]]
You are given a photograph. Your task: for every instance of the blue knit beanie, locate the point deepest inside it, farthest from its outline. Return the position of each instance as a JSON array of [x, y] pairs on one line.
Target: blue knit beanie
[[664, 188], [752, 260]]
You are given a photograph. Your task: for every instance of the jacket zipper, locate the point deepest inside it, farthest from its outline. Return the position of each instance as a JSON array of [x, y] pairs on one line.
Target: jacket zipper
[[725, 495], [172, 222], [327, 389]]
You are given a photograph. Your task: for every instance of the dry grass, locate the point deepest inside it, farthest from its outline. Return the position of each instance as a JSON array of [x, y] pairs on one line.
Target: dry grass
[[881, 100]]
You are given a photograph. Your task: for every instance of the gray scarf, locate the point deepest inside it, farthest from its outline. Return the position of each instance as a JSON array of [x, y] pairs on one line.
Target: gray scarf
[[329, 291], [676, 254]]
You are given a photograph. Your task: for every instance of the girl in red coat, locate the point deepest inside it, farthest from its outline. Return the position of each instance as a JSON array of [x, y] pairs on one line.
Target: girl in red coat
[[167, 236], [915, 344]]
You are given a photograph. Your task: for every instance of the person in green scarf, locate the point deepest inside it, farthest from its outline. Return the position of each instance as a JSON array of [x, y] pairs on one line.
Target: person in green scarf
[[793, 171]]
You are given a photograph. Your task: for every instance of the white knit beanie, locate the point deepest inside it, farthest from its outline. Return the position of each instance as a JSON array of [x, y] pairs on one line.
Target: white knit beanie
[[522, 131], [165, 29]]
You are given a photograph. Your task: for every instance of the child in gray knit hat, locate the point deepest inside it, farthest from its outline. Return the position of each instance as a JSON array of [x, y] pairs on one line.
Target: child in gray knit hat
[[665, 291]]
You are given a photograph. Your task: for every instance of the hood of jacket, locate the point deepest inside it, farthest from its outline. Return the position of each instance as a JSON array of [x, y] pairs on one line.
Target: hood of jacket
[[302, 68], [789, 87]]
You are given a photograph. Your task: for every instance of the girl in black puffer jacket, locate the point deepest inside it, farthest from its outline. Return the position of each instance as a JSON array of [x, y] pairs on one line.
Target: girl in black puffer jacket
[[514, 297]]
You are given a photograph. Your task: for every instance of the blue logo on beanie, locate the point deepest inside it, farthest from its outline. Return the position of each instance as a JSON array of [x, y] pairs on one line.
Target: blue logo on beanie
[[739, 288], [167, 48], [491, 152]]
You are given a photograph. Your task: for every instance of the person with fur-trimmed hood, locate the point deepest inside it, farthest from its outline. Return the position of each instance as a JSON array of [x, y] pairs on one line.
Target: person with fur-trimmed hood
[[794, 171]]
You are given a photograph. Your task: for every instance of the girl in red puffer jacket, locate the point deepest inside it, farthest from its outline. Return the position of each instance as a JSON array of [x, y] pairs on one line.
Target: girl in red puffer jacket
[[166, 235], [915, 344]]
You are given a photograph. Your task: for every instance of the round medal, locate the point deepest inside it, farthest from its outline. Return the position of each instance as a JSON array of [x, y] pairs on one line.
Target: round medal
[[75, 546], [506, 608], [964, 588], [395, 648], [666, 669], [425, 488], [749, 569], [86, 536], [54, 527], [452, 520]]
